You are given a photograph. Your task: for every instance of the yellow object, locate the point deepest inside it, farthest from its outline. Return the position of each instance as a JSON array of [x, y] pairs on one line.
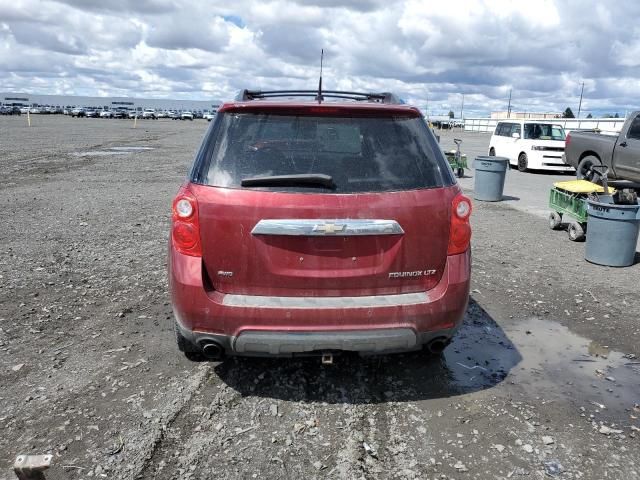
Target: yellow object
[[581, 186]]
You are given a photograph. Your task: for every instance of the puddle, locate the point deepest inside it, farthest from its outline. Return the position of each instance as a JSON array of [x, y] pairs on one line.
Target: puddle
[[547, 359], [557, 364], [480, 356], [111, 151]]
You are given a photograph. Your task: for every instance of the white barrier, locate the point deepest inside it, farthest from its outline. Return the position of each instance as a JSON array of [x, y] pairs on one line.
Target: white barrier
[[606, 125]]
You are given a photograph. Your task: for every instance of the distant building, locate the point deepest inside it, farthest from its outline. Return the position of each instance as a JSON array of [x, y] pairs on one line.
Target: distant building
[[15, 101], [522, 115]]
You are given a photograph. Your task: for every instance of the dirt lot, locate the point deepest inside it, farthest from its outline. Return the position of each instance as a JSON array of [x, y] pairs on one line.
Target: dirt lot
[[541, 382]]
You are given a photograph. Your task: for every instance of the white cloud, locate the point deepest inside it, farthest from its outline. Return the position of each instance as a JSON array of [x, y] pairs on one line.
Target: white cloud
[[541, 50]]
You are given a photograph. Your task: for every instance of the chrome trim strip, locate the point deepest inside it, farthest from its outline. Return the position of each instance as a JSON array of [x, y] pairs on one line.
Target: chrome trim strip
[[329, 227], [253, 301]]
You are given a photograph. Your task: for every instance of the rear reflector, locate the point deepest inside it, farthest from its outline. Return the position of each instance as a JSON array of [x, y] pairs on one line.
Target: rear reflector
[[460, 230]]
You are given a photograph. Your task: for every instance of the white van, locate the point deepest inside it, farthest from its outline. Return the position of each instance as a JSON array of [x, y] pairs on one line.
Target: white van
[[529, 144]]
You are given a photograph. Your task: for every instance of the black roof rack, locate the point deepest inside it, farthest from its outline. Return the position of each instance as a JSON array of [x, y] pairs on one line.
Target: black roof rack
[[383, 97]]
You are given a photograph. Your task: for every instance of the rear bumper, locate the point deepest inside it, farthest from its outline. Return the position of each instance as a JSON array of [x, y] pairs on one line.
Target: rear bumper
[[250, 325]]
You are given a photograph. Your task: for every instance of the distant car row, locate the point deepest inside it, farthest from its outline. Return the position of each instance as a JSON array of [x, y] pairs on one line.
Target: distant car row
[[147, 114], [90, 112]]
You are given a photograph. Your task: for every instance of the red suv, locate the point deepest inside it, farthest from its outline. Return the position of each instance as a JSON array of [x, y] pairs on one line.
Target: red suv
[[313, 227]]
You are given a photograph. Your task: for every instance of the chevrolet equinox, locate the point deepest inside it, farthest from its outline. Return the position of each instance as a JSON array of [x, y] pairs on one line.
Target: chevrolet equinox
[[318, 225]]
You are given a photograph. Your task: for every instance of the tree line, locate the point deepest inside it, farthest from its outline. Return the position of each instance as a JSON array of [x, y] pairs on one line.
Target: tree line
[[568, 113]]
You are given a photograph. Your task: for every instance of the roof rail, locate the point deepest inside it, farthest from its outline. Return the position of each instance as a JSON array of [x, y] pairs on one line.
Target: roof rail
[[382, 97]]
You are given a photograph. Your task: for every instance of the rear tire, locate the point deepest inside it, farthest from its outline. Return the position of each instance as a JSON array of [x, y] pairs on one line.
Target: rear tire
[[523, 163], [576, 232], [584, 170], [555, 221], [492, 152]]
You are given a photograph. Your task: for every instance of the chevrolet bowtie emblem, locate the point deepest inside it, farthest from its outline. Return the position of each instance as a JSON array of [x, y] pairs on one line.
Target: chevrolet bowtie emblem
[[329, 228]]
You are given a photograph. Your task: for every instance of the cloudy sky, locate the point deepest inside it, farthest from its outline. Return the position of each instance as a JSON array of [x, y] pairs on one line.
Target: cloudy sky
[[429, 52]]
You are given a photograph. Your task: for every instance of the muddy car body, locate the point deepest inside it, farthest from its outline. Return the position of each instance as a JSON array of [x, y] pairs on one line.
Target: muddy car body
[[307, 228]]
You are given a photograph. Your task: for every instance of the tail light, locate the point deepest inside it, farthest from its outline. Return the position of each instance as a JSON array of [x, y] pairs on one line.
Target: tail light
[[185, 226], [567, 140], [460, 231]]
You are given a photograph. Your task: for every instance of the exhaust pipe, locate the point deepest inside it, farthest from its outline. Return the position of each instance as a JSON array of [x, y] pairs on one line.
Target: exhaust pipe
[[437, 345], [212, 350]]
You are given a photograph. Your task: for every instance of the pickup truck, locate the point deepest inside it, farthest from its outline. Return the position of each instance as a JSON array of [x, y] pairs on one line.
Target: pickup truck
[[620, 153]]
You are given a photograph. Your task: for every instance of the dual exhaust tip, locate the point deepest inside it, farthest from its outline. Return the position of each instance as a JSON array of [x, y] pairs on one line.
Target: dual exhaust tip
[[437, 345]]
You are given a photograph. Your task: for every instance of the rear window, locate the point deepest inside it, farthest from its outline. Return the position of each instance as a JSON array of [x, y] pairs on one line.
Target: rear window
[[360, 154]]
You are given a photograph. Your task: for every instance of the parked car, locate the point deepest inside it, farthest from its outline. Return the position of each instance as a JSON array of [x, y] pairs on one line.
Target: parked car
[[34, 110], [149, 113], [9, 110], [186, 116], [24, 110], [91, 113], [162, 114], [621, 153], [529, 144], [173, 115], [78, 112], [208, 116], [106, 114], [133, 114], [120, 113], [307, 228]]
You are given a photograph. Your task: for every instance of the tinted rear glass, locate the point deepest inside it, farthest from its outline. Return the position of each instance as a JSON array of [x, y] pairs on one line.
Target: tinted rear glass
[[360, 154]]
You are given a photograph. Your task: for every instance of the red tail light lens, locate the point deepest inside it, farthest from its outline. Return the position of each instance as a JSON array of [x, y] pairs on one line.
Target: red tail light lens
[[460, 231], [185, 226], [567, 140]]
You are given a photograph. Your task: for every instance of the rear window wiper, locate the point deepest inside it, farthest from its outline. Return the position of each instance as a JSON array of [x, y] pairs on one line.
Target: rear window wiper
[[302, 180]]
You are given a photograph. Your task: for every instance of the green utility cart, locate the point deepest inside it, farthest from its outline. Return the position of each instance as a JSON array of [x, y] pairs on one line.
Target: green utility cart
[[458, 164], [570, 199]]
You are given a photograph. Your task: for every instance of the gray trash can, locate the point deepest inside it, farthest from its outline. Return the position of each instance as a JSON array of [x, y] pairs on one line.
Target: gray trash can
[[612, 233], [490, 173]]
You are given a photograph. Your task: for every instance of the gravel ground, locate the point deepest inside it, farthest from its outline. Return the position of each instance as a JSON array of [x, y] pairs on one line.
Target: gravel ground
[[543, 380]]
